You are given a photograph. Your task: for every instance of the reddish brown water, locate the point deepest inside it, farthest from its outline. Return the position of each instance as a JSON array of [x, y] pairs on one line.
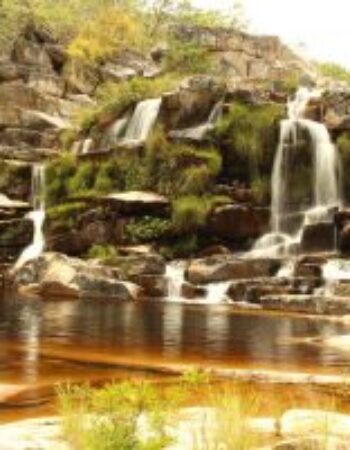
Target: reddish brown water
[[45, 342]]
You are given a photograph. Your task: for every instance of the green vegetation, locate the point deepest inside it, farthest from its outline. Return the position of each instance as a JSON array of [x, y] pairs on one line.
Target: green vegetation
[[334, 71], [147, 229], [65, 214], [106, 253], [113, 99], [248, 136], [190, 212], [110, 418]]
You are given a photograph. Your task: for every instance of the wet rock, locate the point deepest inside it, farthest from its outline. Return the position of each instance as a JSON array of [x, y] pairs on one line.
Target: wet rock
[[214, 250], [152, 285], [319, 237], [238, 222], [137, 265], [225, 268], [308, 304], [15, 235], [344, 239], [191, 292], [56, 275], [137, 203]]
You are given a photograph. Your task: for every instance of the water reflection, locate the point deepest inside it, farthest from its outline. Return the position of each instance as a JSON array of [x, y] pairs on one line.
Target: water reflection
[[45, 339]]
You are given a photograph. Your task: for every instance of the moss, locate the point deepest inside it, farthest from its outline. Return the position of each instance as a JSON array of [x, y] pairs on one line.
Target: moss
[[248, 136], [190, 212], [147, 229]]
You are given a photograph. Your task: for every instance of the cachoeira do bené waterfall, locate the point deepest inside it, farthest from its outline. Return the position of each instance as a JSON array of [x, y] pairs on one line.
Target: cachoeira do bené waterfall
[[174, 229]]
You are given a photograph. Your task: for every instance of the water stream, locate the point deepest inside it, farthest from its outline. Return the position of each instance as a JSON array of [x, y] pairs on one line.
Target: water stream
[[37, 215], [143, 120], [325, 180]]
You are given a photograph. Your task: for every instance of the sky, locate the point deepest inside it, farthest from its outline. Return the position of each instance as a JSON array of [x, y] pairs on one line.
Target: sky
[[322, 26]]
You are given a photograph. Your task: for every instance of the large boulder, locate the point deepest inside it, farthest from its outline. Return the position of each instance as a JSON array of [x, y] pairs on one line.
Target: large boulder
[[137, 203], [56, 275], [318, 237], [225, 268], [238, 222]]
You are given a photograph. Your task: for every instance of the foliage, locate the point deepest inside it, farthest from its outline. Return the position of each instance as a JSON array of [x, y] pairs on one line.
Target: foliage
[[147, 229], [114, 99], [108, 32], [334, 71], [106, 253], [248, 136], [65, 214], [65, 178], [113, 413], [183, 246], [187, 57], [190, 212]]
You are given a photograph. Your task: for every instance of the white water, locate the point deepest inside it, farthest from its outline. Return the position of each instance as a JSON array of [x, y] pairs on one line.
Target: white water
[[114, 133], [216, 113], [217, 292], [34, 250], [175, 273], [87, 146], [143, 120], [325, 179]]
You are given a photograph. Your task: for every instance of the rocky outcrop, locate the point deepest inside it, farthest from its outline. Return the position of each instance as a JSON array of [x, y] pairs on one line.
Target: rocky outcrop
[[137, 203], [238, 223], [56, 275], [318, 237], [225, 268]]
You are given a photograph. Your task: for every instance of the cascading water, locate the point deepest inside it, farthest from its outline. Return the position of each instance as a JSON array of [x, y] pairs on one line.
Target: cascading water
[[175, 274], [143, 120], [35, 249], [325, 183]]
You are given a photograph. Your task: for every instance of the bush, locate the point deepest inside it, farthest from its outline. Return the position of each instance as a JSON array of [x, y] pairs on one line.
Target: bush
[[58, 172], [113, 413], [248, 137], [106, 253], [65, 214], [188, 57], [190, 213], [147, 229], [334, 71]]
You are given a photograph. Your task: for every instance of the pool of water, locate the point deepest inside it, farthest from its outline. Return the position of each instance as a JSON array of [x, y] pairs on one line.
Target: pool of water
[[45, 342]]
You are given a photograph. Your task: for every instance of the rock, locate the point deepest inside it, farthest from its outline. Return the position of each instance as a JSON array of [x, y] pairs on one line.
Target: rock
[[322, 442], [47, 83], [238, 222], [13, 97], [15, 235], [56, 275], [214, 250], [192, 103], [57, 55], [10, 71], [137, 265], [344, 239], [318, 237], [112, 72], [30, 53], [307, 304], [152, 285], [137, 203], [194, 134], [190, 291], [225, 268], [304, 421], [81, 79], [38, 120]]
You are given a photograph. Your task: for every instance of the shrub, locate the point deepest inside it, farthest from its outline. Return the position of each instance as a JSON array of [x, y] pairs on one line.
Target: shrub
[[58, 172], [188, 57], [107, 419], [65, 214], [334, 71], [190, 213], [147, 229], [106, 253], [248, 137]]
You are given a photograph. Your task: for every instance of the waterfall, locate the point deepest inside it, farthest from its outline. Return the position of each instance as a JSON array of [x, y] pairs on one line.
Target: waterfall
[[37, 215], [114, 133], [175, 273], [143, 120], [217, 292], [325, 178], [216, 113]]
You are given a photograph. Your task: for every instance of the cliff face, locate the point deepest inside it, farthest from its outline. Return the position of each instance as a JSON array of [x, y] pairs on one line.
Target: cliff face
[[244, 56]]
